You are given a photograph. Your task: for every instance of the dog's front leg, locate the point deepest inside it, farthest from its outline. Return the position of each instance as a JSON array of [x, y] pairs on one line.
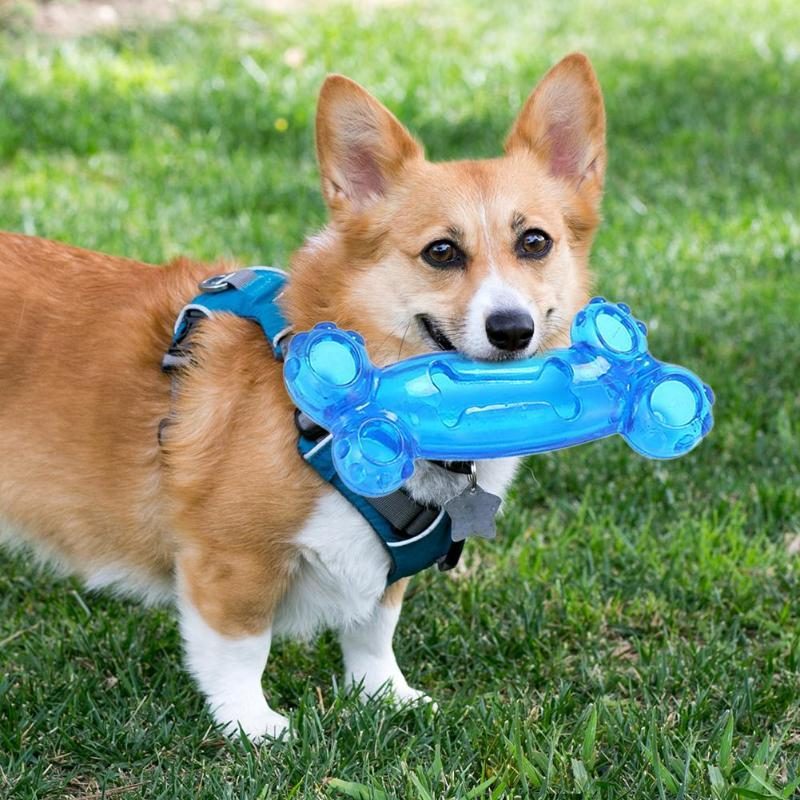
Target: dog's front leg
[[225, 621], [369, 660]]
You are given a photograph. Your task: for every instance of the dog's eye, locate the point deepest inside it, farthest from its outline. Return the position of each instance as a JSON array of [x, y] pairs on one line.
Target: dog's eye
[[534, 243], [443, 253]]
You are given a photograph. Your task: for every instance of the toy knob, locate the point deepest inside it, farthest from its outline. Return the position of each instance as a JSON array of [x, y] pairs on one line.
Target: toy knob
[[374, 457], [670, 413], [327, 372], [611, 329]]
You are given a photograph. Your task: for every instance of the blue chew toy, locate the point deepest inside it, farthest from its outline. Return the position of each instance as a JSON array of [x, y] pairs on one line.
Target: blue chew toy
[[444, 406]]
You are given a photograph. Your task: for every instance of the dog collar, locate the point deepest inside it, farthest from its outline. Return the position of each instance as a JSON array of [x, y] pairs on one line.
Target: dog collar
[[415, 536]]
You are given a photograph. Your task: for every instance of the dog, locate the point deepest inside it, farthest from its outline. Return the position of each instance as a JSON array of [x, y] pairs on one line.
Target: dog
[[223, 517]]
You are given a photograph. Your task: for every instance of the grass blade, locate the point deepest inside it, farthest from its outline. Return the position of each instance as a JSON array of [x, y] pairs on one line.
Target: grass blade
[[358, 791], [587, 751]]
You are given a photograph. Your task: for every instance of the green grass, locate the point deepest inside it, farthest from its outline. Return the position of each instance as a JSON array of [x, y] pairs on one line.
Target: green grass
[[635, 631]]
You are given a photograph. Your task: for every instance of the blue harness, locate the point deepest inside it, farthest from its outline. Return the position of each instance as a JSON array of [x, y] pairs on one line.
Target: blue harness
[[414, 536]]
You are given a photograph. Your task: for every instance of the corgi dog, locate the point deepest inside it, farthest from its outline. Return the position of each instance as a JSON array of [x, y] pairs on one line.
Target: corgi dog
[[223, 517]]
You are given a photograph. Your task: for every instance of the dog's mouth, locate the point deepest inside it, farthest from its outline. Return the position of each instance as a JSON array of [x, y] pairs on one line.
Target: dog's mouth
[[439, 339], [435, 333]]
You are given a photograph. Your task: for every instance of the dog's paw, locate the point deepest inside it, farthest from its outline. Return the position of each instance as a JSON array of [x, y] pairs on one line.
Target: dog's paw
[[408, 696], [260, 724], [393, 690]]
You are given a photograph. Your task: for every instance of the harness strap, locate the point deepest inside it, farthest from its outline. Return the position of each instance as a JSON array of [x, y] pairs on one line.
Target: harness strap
[[259, 303], [414, 535]]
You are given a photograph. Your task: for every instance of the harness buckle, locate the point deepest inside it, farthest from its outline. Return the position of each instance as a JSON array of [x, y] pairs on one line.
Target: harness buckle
[[451, 558], [216, 283]]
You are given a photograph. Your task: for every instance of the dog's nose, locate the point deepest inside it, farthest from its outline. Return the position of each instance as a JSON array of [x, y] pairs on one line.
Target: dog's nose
[[509, 330]]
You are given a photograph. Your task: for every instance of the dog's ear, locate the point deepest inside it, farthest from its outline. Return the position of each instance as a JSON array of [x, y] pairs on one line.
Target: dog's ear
[[361, 146], [563, 123]]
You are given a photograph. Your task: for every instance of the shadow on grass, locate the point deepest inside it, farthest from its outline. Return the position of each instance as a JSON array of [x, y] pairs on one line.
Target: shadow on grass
[[729, 120]]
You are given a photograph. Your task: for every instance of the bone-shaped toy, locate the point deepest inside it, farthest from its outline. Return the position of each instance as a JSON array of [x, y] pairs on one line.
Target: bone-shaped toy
[[444, 406]]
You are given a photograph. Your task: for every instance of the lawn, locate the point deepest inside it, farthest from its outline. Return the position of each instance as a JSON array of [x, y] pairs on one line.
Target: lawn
[[635, 630]]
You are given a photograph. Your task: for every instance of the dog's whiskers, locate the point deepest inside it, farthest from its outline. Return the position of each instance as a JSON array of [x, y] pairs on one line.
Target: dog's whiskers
[[394, 331], [403, 339]]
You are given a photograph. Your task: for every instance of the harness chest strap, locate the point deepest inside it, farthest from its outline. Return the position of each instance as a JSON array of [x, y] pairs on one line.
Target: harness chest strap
[[415, 536]]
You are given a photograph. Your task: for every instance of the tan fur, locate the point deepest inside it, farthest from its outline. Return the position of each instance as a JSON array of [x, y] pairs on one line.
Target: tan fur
[[82, 394], [393, 596]]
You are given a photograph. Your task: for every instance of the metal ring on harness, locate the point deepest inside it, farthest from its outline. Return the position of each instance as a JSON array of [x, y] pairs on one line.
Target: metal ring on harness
[[216, 283]]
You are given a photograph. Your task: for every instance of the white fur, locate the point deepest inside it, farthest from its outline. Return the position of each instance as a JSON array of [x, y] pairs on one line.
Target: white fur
[[342, 573], [495, 294], [487, 238], [127, 581], [369, 660], [433, 485], [228, 672], [496, 475]]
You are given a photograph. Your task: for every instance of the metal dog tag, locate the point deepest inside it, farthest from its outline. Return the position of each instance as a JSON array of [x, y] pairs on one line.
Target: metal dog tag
[[472, 513]]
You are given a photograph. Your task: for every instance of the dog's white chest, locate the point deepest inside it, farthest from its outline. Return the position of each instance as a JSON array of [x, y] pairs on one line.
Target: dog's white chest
[[342, 573], [343, 569]]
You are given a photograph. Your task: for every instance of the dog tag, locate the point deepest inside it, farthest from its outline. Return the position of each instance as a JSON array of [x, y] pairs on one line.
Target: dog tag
[[472, 513]]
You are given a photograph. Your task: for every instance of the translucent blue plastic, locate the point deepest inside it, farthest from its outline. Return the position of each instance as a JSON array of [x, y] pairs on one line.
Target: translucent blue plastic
[[444, 406]]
